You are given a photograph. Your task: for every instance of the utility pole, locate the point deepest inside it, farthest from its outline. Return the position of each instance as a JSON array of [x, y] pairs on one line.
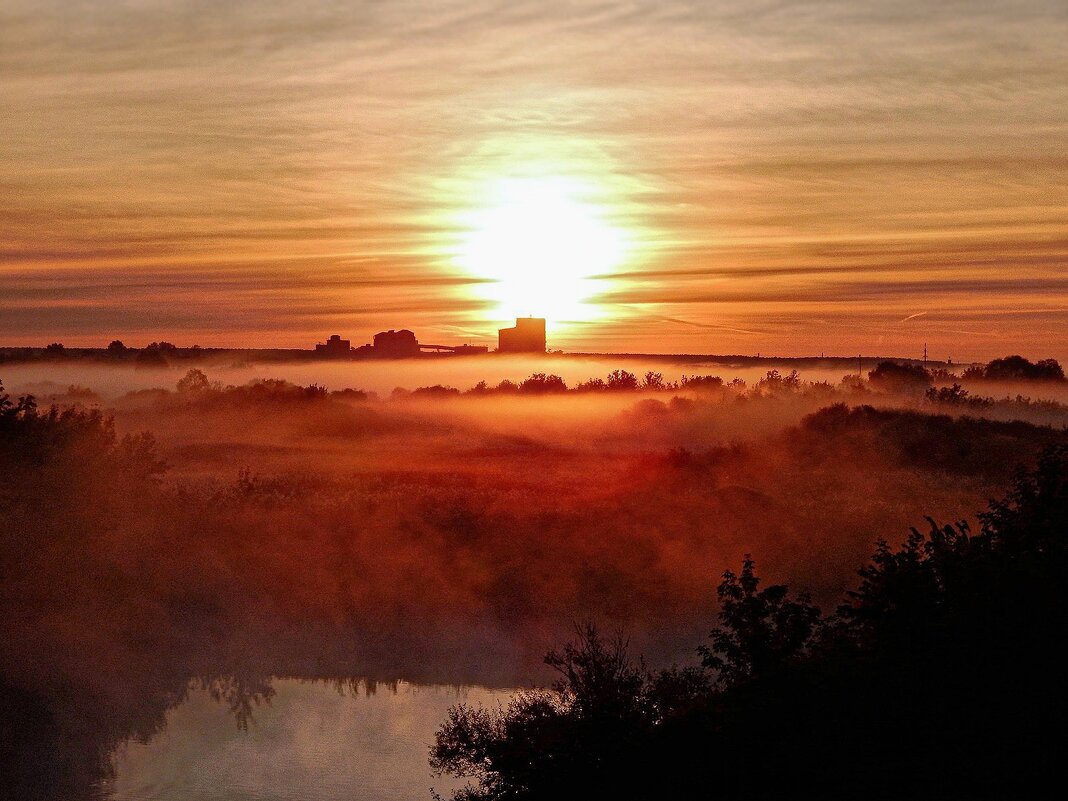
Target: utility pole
[[924, 354]]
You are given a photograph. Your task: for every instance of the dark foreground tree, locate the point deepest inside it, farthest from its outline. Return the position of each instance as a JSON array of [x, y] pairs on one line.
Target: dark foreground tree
[[939, 677]]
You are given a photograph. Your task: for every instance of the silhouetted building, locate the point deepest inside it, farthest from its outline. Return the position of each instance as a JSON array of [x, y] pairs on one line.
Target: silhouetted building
[[335, 347], [527, 336], [463, 350], [470, 350], [396, 344]]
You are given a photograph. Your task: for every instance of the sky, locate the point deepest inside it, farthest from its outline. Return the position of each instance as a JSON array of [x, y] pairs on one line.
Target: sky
[[746, 177]]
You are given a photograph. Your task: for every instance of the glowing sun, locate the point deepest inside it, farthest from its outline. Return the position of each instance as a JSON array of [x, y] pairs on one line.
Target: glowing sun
[[540, 242]]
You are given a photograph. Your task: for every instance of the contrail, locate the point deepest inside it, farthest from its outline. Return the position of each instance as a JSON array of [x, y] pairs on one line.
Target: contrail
[[913, 316]]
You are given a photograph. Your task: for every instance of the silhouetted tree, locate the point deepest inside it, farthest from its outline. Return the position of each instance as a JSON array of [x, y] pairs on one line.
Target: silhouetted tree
[[540, 384], [1018, 368], [592, 385], [193, 381], [775, 383], [563, 742], [708, 382], [435, 391], [899, 378], [653, 381], [622, 380], [762, 631]]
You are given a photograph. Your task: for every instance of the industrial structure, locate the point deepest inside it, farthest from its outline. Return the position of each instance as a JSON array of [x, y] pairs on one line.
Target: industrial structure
[[391, 344], [395, 344], [526, 336], [334, 348]]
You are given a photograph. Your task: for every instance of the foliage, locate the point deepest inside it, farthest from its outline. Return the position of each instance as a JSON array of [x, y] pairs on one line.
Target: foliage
[[762, 631], [1017, 368], [775, 383], [193, 381], [902, 378], [542, 384], [934, 676], [622, 380]]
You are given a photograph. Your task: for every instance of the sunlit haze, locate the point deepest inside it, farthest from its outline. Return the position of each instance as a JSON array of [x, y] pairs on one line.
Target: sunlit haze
[[540, 245]]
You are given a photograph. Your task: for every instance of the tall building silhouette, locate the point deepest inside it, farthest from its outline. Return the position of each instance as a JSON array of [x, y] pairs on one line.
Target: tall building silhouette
[[335, 347], [396, 344], [527, 336]]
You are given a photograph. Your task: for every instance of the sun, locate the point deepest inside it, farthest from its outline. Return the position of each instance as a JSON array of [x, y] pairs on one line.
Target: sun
[[540, 243]]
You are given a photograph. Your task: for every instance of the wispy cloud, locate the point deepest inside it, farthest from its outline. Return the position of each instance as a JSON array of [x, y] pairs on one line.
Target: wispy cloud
[[760, 154]]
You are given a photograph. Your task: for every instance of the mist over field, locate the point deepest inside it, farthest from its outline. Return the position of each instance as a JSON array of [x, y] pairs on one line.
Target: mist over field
[[443, 522]]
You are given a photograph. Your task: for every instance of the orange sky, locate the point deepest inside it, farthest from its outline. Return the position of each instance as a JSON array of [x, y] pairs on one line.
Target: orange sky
[[789, 178]]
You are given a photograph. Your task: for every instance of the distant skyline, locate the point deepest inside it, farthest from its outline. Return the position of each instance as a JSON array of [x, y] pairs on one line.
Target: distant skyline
[[695, 177]]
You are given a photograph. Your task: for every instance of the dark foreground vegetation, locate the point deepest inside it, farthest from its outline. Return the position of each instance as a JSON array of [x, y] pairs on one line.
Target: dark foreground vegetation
[[939, 676]]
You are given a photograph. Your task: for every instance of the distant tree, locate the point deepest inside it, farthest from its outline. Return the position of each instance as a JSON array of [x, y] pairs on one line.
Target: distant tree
[[707, 382], [775, 383], [540, 384], [1017, 368], [435, 391], [116, 347], [956, 395], [1049, 370], [892, 377], [350, 394], [481, 388], [653, 381], [507, 387], [592, 385], [193, 381], [621, 380], [55, 349], [941, 375]]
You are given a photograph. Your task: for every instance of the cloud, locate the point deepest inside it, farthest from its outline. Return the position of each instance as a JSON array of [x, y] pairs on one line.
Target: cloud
[[317, 148]]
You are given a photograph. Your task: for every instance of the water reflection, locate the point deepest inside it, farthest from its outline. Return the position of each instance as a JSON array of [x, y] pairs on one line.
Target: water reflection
[[312, 741]]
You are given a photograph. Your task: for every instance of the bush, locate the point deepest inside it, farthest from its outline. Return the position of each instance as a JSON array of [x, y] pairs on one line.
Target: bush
[[891, 377], [1017, 368], [541, 384]]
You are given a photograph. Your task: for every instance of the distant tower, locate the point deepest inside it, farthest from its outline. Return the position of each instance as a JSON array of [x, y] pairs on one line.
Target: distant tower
[[527, 336]]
